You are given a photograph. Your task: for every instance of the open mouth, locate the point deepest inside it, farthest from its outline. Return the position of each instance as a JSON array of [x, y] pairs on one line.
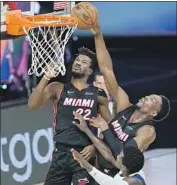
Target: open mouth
[[76, 67], [141, 101]]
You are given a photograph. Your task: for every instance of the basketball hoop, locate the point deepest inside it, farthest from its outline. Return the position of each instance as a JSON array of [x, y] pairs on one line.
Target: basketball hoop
[[47, 44]]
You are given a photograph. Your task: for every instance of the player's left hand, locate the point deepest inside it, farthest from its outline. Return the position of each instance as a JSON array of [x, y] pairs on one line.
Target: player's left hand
[[88, 152], [99, 123], [82, 125]]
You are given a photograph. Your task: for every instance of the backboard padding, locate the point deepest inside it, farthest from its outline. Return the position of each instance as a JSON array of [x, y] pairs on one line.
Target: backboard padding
[[26, 7]]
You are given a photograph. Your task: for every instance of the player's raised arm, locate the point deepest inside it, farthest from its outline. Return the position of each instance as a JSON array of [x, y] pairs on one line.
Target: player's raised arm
[[106, 68], [44, 92]]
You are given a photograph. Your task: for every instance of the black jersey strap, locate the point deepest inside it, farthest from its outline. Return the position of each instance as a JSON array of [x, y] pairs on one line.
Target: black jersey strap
[[139, 125]]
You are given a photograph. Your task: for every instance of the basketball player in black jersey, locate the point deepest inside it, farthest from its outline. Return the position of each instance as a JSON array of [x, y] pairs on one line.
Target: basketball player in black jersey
[[75, 96], [129, 159], [123, 178], [133, 124]]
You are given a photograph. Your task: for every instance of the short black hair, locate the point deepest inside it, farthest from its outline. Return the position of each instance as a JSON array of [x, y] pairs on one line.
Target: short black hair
[[164, 109], [133, 159], [90, 54], [97, 73]]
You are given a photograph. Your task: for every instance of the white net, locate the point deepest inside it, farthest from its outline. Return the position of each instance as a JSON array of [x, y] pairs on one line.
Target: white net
[[48, 46]]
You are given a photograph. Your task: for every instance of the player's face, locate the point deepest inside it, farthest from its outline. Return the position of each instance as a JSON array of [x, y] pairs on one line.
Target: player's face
[[100, 83], [150, 104], [82, 66]]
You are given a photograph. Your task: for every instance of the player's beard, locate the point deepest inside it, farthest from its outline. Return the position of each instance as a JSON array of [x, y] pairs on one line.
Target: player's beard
[[77, 75]]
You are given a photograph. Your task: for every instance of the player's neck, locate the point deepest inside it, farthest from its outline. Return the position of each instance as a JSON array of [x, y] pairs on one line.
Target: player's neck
[[138, 117], [79, 83]]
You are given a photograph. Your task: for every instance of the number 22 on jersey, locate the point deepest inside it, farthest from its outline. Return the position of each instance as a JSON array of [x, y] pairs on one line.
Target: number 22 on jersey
[[84, 112]]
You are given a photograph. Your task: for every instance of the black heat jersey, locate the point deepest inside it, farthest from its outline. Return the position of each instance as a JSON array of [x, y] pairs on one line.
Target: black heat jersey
[[123, 130], [84, 102]]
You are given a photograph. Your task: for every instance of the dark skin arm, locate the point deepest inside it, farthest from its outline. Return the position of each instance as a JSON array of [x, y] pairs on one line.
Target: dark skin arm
[[101, 147], [105, 64], [89, 151], [43, 93], [103, 108], [144, 136], [84, 164]]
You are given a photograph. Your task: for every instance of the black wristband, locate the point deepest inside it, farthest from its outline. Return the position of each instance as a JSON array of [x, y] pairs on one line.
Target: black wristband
[[132, 143], [114, 144]]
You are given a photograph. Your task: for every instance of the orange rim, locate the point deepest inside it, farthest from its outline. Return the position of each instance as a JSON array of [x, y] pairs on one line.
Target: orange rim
[[16, 21]]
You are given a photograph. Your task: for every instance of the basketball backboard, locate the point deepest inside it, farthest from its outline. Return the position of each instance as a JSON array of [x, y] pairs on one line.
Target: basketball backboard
[[31, 8]]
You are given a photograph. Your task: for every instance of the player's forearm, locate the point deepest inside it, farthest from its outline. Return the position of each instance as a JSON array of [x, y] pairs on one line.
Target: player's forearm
[[103, 56], [104, 179], [100, 177], [101, 147], [88, 166], [36, 98]]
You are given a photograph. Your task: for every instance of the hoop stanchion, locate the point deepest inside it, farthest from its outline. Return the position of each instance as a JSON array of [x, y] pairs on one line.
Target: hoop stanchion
[[47, 35]]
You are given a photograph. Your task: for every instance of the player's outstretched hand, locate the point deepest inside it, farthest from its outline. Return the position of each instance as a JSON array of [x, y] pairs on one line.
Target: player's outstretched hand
[[83, 163], [99, 123], [96, 28], [78, 157], [88, 152], [51, 70], [80, 122]]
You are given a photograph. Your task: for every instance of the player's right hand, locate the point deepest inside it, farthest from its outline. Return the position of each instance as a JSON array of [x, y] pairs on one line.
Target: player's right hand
[[82, 125], [96, 28], [99, 123], [51, 71]]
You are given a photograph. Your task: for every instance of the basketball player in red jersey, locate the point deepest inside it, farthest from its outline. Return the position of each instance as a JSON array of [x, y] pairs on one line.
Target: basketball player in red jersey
[[76, 96]]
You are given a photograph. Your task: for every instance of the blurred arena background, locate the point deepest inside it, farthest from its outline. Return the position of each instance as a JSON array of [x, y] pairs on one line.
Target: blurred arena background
[[141, 38]]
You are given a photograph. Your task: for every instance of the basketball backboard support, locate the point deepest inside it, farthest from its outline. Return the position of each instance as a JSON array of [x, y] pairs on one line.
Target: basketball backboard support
[[29, 8]]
